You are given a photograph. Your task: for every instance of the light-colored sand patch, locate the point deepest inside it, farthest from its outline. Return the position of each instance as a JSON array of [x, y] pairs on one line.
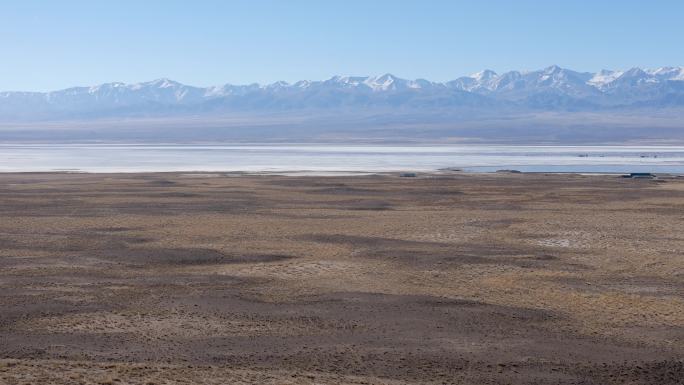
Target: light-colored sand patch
[[88, 373], [569, 239], [554, 242], [181, 325]]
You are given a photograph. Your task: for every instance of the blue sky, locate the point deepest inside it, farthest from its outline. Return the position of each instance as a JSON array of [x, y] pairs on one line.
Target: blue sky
[[55, 44]]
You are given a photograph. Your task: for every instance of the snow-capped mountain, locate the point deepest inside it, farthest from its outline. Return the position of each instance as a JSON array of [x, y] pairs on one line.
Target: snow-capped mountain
[[552, 88]]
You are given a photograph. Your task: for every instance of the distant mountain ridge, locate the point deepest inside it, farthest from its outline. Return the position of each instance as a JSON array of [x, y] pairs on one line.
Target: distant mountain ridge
[[549, 89]]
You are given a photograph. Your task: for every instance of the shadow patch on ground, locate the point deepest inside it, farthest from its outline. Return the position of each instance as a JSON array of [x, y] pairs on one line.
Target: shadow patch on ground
[[183, 256], [431, 253]]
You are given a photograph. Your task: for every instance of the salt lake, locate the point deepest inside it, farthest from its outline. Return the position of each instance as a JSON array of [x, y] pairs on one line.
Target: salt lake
[[336, 158]]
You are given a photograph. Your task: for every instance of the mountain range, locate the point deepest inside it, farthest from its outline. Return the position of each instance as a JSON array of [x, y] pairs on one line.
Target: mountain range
[[550, 89]]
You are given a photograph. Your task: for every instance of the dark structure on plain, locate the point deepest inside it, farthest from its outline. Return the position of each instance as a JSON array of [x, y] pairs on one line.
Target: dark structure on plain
[[640, 175]]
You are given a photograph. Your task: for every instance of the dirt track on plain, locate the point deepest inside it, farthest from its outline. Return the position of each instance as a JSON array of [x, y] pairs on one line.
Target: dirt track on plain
[[441, 279]]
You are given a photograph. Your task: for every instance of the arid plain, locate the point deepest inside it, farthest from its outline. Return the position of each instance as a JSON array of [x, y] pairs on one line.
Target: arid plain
[[440, 279]]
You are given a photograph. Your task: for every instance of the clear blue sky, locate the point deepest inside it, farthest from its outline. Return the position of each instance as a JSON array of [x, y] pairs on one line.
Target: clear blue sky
[[55, 44]]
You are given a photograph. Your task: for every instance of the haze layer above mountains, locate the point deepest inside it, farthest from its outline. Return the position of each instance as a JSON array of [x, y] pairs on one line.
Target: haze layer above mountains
[[552, 103]]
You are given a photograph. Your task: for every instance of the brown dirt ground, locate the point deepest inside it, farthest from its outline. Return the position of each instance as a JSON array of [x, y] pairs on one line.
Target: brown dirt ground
[[441, 279]]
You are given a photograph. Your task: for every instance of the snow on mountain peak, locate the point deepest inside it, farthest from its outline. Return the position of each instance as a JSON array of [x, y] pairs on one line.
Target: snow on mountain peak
[[385, 82], [667, 73], [680, 75], [277, 85], [634, 72], [551, 87], [388, 77], [163, 83], [484, 75], [553, 69], [604, 77], [382, 82], [302, 84], [347, 81]]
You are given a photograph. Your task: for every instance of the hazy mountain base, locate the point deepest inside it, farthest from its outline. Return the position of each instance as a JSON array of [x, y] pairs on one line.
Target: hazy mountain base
[[643, 126]]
